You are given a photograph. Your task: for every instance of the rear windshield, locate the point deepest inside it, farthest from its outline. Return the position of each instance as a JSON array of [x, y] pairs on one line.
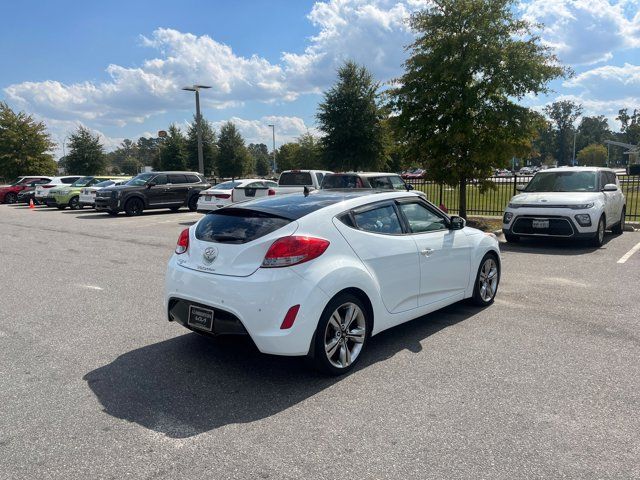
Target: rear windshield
[[234, 225], [342, 181], [82, 182], [106, 183], [295, 179], [226, 186]]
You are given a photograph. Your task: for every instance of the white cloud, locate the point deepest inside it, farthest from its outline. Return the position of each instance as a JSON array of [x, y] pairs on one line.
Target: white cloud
[[608, 82], [586, 31], [287, 129]]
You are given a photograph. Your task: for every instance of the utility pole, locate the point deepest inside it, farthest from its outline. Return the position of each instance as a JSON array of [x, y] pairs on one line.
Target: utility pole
[[575, 134], [196, 88], [273, 131]]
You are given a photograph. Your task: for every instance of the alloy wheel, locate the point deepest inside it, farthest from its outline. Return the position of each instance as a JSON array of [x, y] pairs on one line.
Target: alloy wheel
[[344, 335], [488, 279]]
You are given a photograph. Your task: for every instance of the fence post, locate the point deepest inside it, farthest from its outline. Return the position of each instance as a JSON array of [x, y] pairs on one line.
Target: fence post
[[440, 195], [515, 183]]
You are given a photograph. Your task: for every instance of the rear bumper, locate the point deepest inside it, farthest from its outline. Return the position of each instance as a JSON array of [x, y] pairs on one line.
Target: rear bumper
[[258, 302]]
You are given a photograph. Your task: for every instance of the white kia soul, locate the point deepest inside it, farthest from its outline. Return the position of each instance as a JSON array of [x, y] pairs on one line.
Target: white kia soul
[[318, 274], [567, 202]]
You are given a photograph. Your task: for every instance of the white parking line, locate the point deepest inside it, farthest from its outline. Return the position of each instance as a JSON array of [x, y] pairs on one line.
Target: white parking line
[[627, 255]]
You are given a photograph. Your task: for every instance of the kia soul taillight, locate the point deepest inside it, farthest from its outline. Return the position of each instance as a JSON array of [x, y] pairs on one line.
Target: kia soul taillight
[[294, 250]]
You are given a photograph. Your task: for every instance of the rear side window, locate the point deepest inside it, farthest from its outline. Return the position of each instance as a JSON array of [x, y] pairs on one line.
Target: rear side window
[[379, 220], [69, 180], [192, 179], [233, 225], [177, 179], [295, 179]]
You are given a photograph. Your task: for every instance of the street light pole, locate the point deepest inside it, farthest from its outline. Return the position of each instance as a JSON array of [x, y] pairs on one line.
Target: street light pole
[[575, 133], [196, 89], [273, 131]]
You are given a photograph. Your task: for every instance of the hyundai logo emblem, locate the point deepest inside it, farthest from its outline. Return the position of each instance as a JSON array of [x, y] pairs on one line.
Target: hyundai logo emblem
[[209, 255]]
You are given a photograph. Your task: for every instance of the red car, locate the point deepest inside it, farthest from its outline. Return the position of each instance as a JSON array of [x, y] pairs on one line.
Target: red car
[[9, 193]]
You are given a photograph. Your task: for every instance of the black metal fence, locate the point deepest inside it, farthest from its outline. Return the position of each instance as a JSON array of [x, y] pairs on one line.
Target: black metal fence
[[492, 201]]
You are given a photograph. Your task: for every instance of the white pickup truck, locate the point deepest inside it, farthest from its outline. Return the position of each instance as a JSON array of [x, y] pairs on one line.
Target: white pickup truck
[[294, 181]]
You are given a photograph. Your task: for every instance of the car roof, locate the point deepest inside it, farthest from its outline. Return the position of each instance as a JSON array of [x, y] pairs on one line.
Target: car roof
[[171, 171], [367, 174], [578, 169]]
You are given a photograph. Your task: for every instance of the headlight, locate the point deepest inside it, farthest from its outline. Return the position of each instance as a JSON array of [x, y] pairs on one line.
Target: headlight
[[513, 205], [507, 217], [584, 219], [582, 206]]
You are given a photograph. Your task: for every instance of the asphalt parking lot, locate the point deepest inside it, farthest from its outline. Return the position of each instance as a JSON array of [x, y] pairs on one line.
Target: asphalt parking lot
[[95, 383]]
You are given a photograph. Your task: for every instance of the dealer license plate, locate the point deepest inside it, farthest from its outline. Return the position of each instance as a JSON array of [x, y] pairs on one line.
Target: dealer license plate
[[201, 318], [540, 223]]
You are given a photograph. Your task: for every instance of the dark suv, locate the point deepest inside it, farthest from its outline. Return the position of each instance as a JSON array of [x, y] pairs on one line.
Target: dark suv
[[152, 190]]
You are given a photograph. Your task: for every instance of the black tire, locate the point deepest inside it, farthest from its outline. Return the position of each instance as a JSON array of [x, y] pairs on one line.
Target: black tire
[[598, 239], [74, 203], [319, 354], [479, 295], [193, 203], [511, 238], [133, 207], [618, 228], [10, 198]]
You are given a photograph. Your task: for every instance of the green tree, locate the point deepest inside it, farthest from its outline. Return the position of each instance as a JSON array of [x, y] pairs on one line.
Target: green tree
[[131, 166], [233, 156], [456, 102], [173, 152], [86, 154], [24, 145], [350, 118], [287, 156], [148, 150], [261, 159], [309, 155], [564, 114], [629, 133], [593, 155], [592, 130], [209, 147], [543, 144]]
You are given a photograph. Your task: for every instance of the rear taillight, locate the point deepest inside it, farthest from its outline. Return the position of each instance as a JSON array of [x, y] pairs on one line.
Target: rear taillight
[[222, 195], [271, 192], [288, 251], [183, 242], [48, 186]]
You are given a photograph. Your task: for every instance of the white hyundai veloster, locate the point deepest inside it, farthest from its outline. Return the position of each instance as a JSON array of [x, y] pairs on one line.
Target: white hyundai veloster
[[318, 275]]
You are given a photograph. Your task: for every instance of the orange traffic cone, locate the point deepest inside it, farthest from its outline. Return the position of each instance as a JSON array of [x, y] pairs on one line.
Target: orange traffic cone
[[31, 205]]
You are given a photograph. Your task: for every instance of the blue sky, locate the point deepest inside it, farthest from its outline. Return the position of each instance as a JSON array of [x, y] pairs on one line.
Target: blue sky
[[117, 67]]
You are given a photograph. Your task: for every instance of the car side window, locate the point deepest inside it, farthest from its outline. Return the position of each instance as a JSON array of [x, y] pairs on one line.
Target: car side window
[[421, 219], [192, 179], [160, 180], [397, 183], [68, 181], [379, 220], [380, 182], [320, 177], [611, 178], [174, 179]]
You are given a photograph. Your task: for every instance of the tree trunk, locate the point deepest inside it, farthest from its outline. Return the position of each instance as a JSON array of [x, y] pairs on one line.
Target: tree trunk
[[462, 201]]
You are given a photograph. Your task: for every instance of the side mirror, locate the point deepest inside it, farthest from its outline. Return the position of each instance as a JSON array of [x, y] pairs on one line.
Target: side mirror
[[610, 187], [520, 188], [151, 184], [457, 223], [409, 187]]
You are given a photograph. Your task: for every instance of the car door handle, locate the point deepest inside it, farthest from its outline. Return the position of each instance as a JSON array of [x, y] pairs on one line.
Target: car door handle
[[426, 252]]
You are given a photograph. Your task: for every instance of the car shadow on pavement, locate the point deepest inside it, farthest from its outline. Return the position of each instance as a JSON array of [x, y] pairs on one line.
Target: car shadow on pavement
[[147, 213], [553, 246], [190, 384]]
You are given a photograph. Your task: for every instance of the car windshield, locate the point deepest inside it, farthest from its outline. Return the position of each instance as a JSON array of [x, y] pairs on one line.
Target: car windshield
[[562, 182], [141, 179], [22, 181], [106, 183], [342, 181], [82, 182], [226, 186]]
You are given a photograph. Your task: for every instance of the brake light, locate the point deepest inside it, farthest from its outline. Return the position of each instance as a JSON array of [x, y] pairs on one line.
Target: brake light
[[221, 195], [271, 192], [294, 250], [48, 186], [183, 242], [290, 317]]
